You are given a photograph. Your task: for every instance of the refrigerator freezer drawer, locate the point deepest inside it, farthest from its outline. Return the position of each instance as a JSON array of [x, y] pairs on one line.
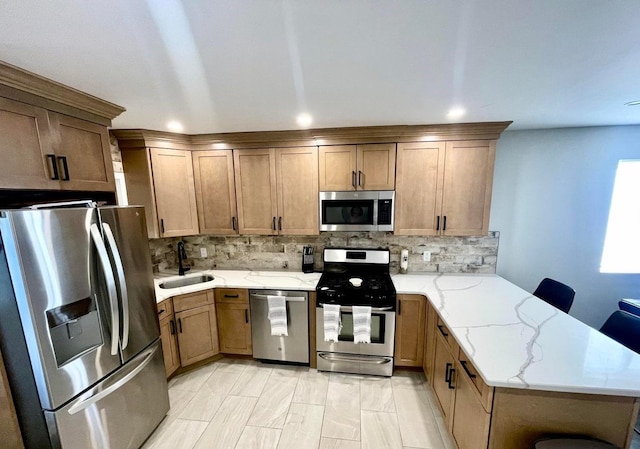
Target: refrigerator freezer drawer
[[118, 413]]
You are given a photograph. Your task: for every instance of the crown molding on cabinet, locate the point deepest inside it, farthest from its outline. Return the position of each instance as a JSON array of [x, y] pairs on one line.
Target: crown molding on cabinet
[[22, 85], [136, 138]]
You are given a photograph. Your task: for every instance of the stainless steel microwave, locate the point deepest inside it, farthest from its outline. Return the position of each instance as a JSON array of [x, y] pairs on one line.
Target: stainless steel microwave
[[357, 211]]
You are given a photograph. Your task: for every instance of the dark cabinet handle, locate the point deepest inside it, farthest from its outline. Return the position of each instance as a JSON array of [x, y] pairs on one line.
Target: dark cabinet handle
[[172, 325], [65, 168], [447, 374], [246, 316], [162, 225], [231, 296], [451, 371], [160, 312], [279, 223], [360, 178], [54, 166], [438, 223], [466, 369], [180, 324], [233, 223], [444, 223], [441, 329], [353, 179], [274, 223], [400, 307]]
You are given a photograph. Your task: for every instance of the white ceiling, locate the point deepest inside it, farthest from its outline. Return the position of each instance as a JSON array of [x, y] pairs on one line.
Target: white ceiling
[[249, 65]]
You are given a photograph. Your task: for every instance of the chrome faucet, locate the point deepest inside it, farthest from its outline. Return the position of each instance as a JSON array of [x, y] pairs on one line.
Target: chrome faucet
[[182, 255]]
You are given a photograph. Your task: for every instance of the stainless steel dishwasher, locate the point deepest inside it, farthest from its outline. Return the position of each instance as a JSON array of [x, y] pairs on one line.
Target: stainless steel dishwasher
[[295, 346]]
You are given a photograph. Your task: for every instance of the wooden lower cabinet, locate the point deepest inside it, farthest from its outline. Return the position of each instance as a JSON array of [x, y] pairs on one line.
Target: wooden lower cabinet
[[470, 427], [409, 341], [169, 341], [444, 377], [234, 321], [197, 334], [429, 341]]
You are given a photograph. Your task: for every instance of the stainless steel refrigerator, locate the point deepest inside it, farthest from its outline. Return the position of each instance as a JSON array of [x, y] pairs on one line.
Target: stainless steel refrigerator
[[78, 326]]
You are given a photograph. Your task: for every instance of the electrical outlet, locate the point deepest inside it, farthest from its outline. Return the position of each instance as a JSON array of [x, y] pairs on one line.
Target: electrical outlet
[[426, 256], [203, 252]]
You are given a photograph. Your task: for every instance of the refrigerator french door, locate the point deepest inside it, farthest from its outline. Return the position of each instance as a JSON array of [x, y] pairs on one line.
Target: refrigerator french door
[[78, 326]]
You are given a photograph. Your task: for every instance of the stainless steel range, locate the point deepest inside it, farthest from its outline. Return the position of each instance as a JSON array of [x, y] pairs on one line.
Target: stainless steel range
[[357, 277]]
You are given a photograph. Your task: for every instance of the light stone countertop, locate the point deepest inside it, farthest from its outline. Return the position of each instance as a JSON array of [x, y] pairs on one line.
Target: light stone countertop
[[514, 339]]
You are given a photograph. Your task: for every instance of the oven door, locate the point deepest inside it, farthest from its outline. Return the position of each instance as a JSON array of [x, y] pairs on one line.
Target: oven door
[[383, 328], [348, 211]]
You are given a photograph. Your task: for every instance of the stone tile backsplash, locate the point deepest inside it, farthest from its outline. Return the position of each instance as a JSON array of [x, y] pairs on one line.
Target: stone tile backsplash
[[448, 254]]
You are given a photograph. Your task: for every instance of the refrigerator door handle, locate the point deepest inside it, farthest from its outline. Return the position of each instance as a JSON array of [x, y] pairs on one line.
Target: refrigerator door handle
[[123, 286], [78, 407], [111, 286]]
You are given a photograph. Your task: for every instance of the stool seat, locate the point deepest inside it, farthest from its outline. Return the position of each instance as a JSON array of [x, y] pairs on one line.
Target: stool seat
[[572, 443]]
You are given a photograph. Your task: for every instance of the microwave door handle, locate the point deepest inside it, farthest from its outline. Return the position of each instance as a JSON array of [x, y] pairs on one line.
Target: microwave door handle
[[103, 257], [124, 296]]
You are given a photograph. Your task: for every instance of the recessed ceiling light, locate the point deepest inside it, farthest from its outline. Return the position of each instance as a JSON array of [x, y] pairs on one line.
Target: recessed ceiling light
[[304, 120], [175, 126], [633, 103], [455, 113]]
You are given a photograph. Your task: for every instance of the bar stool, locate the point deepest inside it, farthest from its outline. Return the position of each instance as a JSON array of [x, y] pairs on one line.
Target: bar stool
[[555, 293], [572, 443]]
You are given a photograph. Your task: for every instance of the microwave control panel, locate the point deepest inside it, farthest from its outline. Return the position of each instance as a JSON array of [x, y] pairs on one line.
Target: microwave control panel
[[384, 212]]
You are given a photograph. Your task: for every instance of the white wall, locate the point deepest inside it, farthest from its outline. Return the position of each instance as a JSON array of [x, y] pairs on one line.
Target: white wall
[[551, 195]]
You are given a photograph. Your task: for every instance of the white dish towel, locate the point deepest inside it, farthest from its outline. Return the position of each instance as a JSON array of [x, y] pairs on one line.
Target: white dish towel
[[332, 323], [278, 315], [361, 324]]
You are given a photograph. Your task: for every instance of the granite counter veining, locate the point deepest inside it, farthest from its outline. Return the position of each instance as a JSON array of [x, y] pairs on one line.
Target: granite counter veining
[[514, 339]]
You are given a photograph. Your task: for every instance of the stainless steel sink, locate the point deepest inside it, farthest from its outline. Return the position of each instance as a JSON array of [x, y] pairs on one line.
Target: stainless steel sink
[[186, 281]]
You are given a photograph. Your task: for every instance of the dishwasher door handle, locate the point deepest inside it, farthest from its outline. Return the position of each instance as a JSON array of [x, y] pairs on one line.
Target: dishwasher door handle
[[287, 298]]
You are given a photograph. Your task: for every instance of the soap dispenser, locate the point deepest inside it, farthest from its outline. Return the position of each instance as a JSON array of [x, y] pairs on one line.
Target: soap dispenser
[[404, 261]]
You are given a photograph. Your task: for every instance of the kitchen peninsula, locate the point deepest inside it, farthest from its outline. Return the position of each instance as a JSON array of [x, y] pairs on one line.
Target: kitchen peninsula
[[532, 369]]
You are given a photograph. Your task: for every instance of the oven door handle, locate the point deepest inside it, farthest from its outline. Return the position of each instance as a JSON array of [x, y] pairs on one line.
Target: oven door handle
[[287, 298], [332, 357], [373, 309]]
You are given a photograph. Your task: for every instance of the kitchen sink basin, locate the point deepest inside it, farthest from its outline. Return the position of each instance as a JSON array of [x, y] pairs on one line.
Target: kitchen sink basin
[[186, 281]]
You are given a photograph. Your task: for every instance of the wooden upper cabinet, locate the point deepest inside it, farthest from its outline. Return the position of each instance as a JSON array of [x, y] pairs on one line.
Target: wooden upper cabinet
[[41, 149], [215, 191], [357, 167], [297, 190], [468, 181], [376, 166], [277, 190], [419, 187], [337, 168], [444, 188], [162, 181], [83, 153], [256, 191], [174, 192]]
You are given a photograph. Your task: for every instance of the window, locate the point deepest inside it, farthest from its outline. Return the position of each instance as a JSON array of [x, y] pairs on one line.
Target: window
[[621, 253]]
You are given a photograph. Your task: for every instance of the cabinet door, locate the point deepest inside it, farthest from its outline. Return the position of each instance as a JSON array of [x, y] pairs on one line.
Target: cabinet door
[[256, 191], [83, 153], [169, 345], [409, 330], [297, 190], [444, 378], [26, 148], [215, 191], [376, 166], [197, 334], [337, 168], [234, 328], [419, 188], [174, 192], [429, 342], [470, 421], [468, 180]]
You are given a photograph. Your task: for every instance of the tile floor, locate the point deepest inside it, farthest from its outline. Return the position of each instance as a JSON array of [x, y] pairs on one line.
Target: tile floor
[[242, 404]]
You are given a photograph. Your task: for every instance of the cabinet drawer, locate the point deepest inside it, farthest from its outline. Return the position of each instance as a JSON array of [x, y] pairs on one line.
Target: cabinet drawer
[[445, 333], [468, 370], [237, 295], [191, 300], [165, 309]]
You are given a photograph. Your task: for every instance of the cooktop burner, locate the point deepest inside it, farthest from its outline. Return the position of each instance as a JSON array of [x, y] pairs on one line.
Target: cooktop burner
[[356, 277]]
